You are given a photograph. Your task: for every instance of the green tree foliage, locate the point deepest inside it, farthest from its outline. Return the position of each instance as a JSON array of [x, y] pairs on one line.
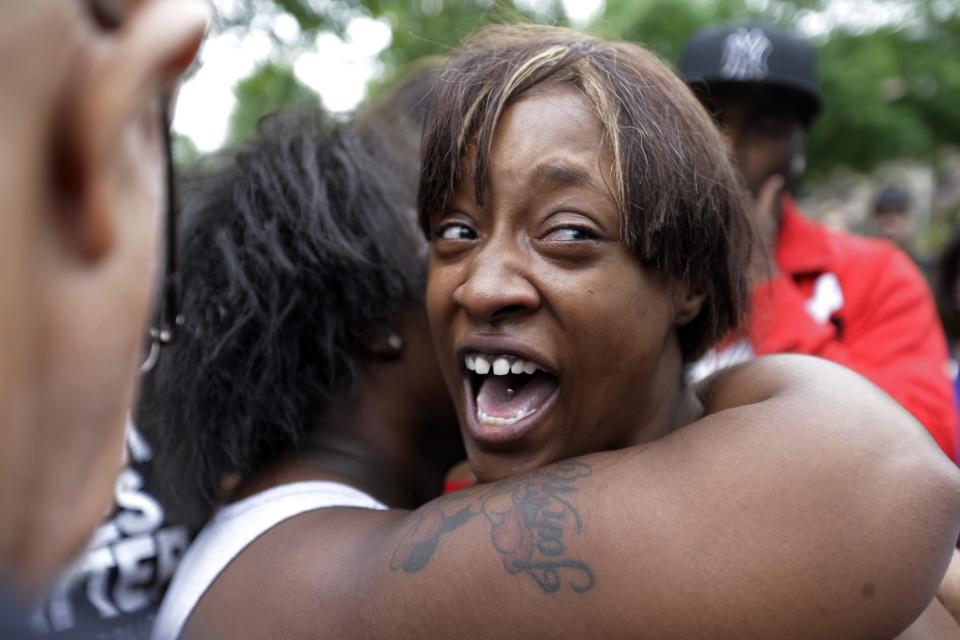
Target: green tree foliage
[[185, 152], [889, 93], [434, 27], [420, 28], [664, 25], [269, 88], [892, 93]]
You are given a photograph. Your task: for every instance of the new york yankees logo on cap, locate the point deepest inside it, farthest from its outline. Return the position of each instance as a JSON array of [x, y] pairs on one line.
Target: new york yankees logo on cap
[[745, 53], [726, 56]]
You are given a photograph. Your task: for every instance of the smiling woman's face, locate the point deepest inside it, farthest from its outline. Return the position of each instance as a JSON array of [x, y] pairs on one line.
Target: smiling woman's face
[[537, 280]]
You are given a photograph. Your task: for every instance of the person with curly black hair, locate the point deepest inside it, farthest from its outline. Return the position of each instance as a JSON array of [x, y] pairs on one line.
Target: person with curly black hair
[[305, 376]]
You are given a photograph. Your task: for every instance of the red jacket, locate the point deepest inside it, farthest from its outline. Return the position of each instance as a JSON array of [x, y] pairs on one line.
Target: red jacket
[[862, 303]]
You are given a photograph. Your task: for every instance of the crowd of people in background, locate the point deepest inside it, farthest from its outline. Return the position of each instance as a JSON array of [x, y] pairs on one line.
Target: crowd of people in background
[[234, 400]]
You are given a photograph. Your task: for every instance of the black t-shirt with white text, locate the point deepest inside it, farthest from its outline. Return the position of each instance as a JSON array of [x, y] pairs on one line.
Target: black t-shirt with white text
[[114, 588]]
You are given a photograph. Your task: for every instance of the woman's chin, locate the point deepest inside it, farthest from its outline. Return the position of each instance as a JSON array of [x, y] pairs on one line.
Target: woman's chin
[[492, 465]]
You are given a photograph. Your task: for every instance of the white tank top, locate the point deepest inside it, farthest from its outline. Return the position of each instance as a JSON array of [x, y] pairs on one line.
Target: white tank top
[[232, 529]]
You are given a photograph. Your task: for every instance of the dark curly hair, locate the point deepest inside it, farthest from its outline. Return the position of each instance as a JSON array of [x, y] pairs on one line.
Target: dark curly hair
[[683, 209], [296, 252]]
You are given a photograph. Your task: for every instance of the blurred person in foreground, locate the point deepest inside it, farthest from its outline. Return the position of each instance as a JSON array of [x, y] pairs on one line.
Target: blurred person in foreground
[[577, 343], [82, 186], [856, 301]]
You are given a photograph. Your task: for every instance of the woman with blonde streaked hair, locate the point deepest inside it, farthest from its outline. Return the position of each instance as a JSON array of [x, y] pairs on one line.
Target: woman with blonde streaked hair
[[588, 237]]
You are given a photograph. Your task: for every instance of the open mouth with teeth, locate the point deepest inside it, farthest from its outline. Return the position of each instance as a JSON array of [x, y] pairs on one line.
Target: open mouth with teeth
[[507, 389]]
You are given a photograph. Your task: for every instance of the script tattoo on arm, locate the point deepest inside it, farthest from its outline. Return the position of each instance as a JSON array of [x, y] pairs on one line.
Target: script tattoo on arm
[[529, 518]]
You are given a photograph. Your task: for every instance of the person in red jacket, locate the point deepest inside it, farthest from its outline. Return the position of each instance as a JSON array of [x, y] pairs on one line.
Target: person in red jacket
[[856, 301]]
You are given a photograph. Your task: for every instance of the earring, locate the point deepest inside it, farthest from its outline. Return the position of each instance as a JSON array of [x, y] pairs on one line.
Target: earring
[[395, 342]]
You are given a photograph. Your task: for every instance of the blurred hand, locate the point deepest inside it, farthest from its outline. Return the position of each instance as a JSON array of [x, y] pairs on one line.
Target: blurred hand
[[766, 209]]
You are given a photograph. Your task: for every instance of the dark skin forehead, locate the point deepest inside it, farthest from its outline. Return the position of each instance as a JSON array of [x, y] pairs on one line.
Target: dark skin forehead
[[548, 174], [580, 167]]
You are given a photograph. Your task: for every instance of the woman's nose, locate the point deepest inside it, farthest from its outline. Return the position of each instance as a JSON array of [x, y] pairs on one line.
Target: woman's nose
[[498, 285]]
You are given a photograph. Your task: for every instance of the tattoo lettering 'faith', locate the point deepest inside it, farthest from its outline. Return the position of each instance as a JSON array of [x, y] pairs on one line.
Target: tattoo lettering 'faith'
[[528, 519]]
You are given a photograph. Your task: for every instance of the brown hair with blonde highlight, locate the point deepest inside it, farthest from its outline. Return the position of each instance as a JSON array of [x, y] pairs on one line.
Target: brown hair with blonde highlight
[[684, 211]]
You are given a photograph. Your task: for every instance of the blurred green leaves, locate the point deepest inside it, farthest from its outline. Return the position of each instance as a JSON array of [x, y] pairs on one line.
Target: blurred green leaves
[[890, 92], [270, 88]]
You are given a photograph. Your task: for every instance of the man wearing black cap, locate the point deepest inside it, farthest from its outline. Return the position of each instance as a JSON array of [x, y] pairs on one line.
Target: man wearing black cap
[[852, 300]]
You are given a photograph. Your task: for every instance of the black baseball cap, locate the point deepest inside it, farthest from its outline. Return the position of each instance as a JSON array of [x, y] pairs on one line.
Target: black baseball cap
[[729, 56], [891, 196]]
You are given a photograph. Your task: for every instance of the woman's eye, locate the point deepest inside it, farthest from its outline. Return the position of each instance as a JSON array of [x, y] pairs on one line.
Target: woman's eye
[[456, 231], [571, 234]]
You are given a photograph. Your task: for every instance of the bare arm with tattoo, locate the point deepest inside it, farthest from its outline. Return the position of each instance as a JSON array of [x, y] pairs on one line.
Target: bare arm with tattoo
[[805, 504]]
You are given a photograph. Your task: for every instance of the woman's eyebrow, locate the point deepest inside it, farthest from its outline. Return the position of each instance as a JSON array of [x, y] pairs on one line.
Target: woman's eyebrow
[[560, 174]]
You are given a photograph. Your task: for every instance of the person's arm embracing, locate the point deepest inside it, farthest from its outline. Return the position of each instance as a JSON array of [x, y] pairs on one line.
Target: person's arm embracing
[[807, 504]]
